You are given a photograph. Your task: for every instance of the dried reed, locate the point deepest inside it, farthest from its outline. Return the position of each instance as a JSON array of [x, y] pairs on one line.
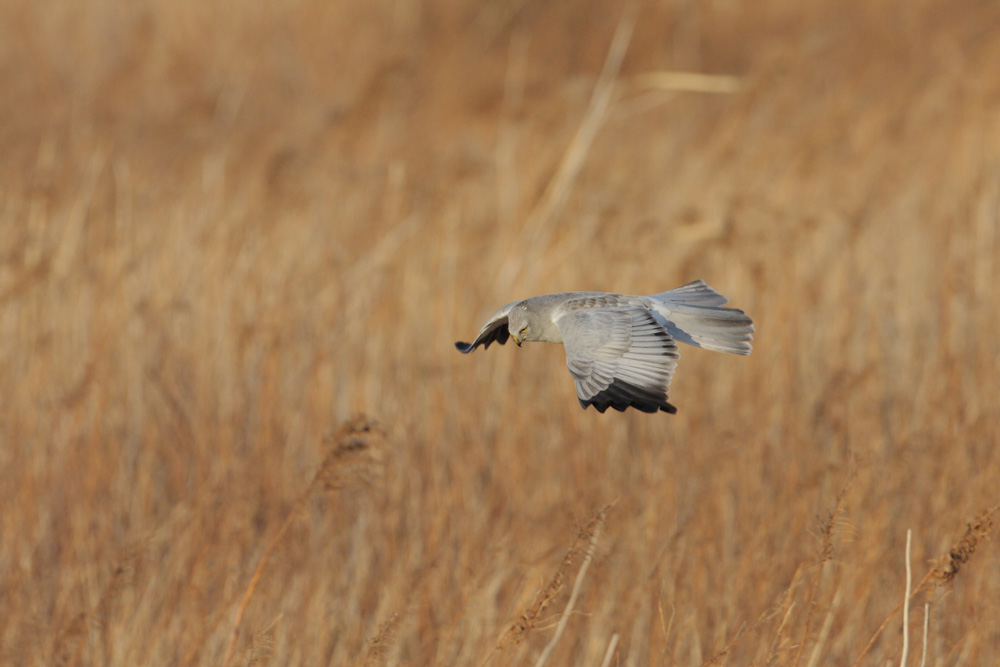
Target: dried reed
[[825, 554], [595, 531], [209, 246], [354, 454], [378, 646], [520, 629], [75, 633], [946, 567]]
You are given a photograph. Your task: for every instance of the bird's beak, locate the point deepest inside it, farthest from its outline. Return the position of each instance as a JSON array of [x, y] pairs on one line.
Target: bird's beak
[[516, 339]]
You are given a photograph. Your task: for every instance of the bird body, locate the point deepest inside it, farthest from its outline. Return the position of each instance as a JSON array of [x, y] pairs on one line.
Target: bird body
[[620, 349]]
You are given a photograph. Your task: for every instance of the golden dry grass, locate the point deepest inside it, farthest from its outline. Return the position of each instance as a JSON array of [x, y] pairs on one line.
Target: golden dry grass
[[225, 228]]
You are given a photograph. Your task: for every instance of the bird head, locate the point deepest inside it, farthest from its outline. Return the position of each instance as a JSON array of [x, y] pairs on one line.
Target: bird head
[[519, 324]]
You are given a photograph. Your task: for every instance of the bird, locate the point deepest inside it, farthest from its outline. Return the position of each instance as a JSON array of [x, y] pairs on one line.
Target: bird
[[621, 349]]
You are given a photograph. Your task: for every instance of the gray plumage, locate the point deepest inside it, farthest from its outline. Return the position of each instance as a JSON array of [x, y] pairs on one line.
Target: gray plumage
[[621, 349]]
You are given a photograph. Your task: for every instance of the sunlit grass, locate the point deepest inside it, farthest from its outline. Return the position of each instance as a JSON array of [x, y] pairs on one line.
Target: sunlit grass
[[224, 232]]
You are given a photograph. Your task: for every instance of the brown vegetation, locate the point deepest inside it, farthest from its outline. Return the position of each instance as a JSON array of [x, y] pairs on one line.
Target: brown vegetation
[[225, 228]]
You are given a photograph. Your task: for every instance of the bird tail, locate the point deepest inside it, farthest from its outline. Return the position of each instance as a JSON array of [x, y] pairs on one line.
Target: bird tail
[[693, 314]]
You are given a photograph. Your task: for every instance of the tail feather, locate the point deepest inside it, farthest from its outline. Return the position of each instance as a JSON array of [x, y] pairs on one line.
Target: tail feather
[[693, 314], [696, 293]]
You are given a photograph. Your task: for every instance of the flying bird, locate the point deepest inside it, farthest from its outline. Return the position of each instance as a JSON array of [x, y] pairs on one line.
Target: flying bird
[[621, 350]]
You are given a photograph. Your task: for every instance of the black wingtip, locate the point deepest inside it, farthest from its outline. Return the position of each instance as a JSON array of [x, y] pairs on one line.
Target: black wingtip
[[621, 396], [464, 348]]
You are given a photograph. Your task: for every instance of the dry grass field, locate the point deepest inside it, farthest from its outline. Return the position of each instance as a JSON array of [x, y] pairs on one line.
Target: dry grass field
[[238, 241]]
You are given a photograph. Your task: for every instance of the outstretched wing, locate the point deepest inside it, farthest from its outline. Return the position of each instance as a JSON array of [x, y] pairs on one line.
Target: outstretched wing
[[619, 358], [494, 331]]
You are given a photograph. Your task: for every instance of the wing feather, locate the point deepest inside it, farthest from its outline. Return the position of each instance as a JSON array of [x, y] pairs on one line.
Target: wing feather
[[494, 331], [619, 358]]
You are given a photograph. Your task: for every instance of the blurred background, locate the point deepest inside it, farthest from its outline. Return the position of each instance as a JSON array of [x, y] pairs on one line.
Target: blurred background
[[228, 228]]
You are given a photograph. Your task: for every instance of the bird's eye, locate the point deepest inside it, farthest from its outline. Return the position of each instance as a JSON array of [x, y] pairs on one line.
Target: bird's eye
[[523, 329]]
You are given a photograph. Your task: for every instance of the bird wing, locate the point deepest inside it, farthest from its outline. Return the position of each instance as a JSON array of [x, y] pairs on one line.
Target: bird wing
[[494, 331], [619, 357]]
